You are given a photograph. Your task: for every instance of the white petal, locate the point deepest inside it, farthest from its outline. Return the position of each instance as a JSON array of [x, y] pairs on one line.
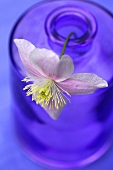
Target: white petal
[[92, 79], [83, 83], [65, 68], [45, 61], [24, 48]]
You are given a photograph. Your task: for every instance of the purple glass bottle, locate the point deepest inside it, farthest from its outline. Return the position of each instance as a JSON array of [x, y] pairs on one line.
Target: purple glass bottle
[[83, 132]]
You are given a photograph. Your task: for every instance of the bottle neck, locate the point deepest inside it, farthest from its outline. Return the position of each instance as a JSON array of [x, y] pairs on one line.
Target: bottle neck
[[64, 20]]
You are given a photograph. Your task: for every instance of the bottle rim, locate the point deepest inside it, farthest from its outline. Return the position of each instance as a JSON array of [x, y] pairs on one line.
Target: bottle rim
[[81, 19]]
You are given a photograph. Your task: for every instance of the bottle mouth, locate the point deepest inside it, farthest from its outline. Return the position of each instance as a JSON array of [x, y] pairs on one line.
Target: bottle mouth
[[62, 21]]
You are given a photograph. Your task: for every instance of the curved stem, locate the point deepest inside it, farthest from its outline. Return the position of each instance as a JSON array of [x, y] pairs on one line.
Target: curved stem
[[65, 44]]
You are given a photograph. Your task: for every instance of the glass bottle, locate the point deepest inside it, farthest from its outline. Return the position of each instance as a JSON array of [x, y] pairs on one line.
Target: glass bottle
[[83, 131]]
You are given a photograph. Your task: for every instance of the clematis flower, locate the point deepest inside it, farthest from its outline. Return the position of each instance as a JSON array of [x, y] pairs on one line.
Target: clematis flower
[[51, 78]]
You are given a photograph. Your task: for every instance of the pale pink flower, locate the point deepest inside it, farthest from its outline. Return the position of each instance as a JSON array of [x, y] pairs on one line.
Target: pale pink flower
[[52, 79]]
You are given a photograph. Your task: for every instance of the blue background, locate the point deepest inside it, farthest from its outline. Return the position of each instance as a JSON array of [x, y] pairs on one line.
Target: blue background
[[11, 154]]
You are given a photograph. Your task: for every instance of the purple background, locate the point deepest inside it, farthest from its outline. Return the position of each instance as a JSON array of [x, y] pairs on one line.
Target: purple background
[[11, 155]]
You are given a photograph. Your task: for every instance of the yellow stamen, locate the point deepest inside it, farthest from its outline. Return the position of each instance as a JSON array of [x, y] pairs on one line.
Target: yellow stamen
[[46, 93]]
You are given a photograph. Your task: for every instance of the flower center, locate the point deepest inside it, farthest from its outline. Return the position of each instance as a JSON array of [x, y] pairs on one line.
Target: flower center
[[46, 93]]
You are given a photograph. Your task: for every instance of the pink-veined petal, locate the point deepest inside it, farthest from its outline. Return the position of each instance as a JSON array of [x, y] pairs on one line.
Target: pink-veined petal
[[24, 48], [53, 112], [65, 68], [45, 61], [83, 83], [56, 103]]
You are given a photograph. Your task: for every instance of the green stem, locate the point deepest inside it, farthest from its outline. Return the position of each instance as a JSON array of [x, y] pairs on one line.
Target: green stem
[[65, 44]]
